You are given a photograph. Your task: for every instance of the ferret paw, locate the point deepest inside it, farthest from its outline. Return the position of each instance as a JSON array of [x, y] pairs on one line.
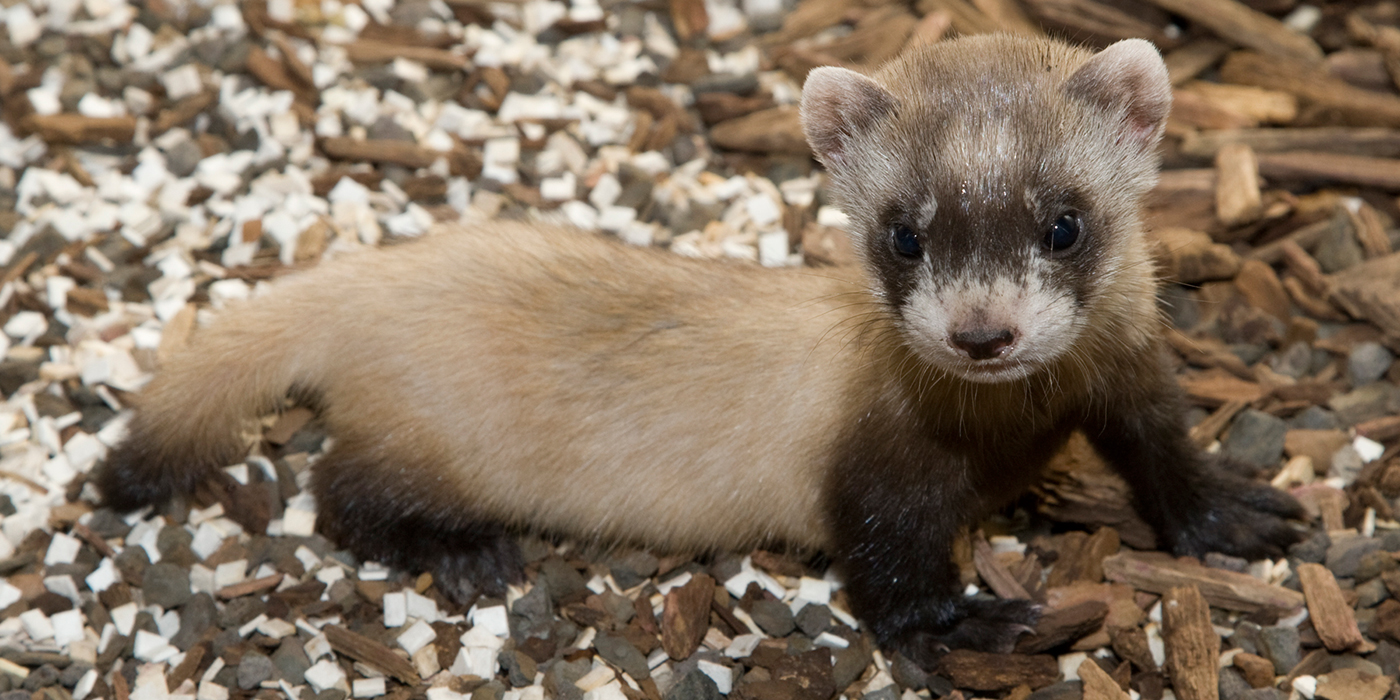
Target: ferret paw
[[1239, 517], [978, 625]]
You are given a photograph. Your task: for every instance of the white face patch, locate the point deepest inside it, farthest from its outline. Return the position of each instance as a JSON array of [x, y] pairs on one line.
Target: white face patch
[[1044, 321], [927, 212]]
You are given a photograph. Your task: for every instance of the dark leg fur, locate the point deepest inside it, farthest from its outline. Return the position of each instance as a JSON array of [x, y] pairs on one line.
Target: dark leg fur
[[1195, 503], [404, 517], [136, 475], [897, 503]]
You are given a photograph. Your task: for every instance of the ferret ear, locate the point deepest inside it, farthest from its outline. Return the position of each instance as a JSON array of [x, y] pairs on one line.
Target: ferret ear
[[1128, 78], [837, 104]]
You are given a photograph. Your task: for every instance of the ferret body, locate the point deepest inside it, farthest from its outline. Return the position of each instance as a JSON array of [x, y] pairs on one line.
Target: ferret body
[[509, 376]]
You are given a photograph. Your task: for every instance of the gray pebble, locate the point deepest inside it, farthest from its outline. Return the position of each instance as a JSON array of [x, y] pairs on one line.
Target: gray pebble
[[73, 674], [41, 677], [1356, 662], [1374, 564], [850, 662], [183, 158], [15, 695], [132, 562], [1368, 362], [166, 585], [1216, 560], [531, 614], [1293, 362], [1371, 593], [1346, 464], [520, 669], [1263, 694], [773, 617], [492, 690], [620, 653], [1365, 617], [291, 660], [1338, 250], [633, 568], [1232, 684], [886, 693], [1064, 690], [559, 679], [940, 687], [621, 608], [813, 619], [1246, 637], [240, 610], [1387, 656], [197, 616], [1280, 645], [694, 685], [390, 129], [1364, 403], [1313, 549], [253, 670], [1391, 541], [174, 546], [105, 523], [1255, 438], [1344, 556], [561, 580], [330, 694]]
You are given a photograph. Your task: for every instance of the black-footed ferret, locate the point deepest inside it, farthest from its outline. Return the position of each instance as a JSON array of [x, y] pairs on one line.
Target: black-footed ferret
[[509, 376]]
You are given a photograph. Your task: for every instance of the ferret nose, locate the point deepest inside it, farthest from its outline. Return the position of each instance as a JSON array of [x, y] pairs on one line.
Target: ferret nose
[[984, 343]]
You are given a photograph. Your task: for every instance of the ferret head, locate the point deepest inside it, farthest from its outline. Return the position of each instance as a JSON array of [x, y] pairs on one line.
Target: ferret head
[[993, 186]]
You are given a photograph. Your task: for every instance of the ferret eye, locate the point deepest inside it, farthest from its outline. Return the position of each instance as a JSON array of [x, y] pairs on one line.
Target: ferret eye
[[1063, 234], [905, 241]]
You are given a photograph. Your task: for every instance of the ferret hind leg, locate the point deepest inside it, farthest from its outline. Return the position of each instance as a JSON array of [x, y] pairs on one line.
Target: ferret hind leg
[[394, 509]]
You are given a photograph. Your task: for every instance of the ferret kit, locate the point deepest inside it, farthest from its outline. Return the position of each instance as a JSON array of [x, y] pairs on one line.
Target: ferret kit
[[568, 384]]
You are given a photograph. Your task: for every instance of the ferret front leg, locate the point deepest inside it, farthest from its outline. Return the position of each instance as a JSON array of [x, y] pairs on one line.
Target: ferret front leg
[[894, 525], [1194, 502]]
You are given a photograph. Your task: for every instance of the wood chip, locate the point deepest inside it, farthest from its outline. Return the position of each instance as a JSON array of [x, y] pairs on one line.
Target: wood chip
[[78, 129], [993, 672], [403, 153], [1063, 626], [1238, 23], [1314, 166], [366, 51], [1081, 556], [1257, 670], [250, 587], [1098, 685], [1217, 387], [1312, 84], [370, 652], [1371, 291], [1237, 197], [686, 617], [1160, 573], [1192, 645], [997, 577], [776, 130], [1192, 257], [1331, 616], [1260, 285]]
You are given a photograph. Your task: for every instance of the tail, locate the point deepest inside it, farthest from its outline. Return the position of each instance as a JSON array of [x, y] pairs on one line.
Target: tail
[[189, 421]]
